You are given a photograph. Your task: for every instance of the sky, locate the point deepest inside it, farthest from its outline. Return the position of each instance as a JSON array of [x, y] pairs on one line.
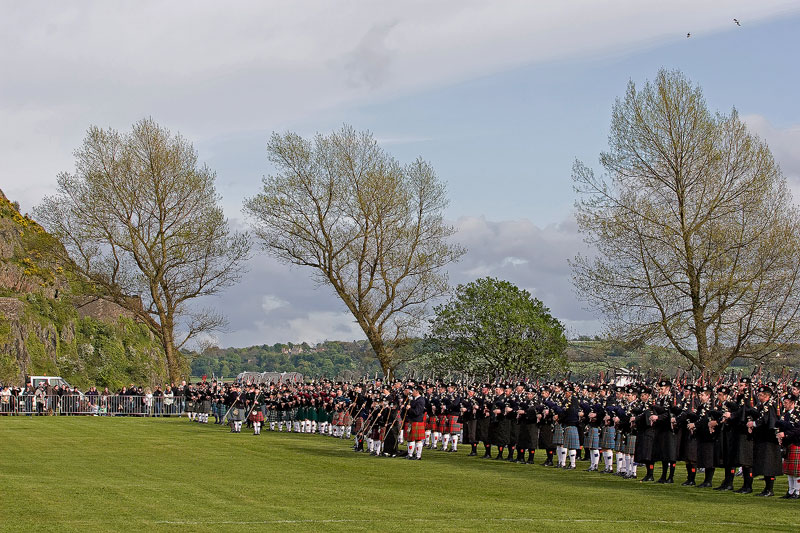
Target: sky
[[500, 98]]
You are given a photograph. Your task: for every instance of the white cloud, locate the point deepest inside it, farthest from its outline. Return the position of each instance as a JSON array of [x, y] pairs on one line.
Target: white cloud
[[783, 142], [785, 146], [270, 302], [532, 257], [210, 70]]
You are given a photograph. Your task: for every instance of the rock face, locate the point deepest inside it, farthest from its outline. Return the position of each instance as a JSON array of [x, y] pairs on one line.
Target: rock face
[[49, 326]]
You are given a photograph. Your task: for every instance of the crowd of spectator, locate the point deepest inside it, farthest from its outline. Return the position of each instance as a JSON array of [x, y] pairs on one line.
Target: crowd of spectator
[[46, 399]]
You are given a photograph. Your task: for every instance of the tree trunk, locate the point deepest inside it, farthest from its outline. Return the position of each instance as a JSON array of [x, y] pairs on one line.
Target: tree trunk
[[172, 355]]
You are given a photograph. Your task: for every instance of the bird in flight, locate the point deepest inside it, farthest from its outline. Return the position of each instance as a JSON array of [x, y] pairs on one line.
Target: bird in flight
[[688, 35], [737, 22]]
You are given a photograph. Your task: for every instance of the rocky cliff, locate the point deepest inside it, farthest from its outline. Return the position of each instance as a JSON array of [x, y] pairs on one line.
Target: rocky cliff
[[49, 324]]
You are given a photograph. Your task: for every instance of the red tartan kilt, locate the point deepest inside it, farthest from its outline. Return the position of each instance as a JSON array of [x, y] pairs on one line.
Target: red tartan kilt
[[406, 428], [428, 421], [452, 425], [347, 419], [358, 425], [791, 465], [338, 419], [417, 432], [257, 416]]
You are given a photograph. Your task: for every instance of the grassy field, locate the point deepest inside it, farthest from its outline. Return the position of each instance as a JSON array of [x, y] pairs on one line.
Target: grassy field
[[126, 474]]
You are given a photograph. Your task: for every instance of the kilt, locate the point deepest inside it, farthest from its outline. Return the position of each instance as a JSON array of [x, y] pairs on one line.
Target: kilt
[[236, 414], [571, 439], [706, 458], [546, 436], [791, 465], [528, 438], [338, 418], [417, 432], [359, 423], [513, 434], [689, 447], [619, 442], [767, 459], [470, 432], [189, 406], [205, 406], [347, 419], [592, 440], [429, 421], [607, 437], [630, 445], [558, 435], [499, 432], [272, 415], [452, 425], [482, 430], [742, 453], [257, 415], [375, 432]]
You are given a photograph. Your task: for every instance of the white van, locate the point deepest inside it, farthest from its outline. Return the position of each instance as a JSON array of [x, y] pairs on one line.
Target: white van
[[50, 380]]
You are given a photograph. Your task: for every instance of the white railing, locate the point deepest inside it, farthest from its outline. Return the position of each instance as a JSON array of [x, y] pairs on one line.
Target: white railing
[[85, 404]]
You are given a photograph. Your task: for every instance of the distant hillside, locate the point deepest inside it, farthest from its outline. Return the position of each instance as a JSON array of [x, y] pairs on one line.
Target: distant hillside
[[50, 323], [587, 357], [329, 359]]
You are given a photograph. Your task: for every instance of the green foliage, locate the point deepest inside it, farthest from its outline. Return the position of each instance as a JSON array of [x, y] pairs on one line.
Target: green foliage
[[329, 359], [34, 246], [492, 327]]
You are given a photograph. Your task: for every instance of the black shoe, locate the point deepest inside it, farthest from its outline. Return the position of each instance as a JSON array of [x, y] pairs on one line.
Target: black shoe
[[472, 454], [796, 496], [547, 463], [499, 457], [724, 487], [591, 469], [766, 493], [486, 456], [669, 481], [688, 483], [569, 468], [661, 480], [648, 478], [704, 485], [787, 496], [744, 490]]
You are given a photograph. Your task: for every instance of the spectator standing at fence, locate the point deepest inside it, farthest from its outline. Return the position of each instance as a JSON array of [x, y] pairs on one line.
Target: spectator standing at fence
[[158, 398], [5, 400], [148, 402], [41, 397], [169, 400]]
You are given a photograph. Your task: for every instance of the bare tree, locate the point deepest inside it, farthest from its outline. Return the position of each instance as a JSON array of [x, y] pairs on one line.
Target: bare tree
[[367, 226], [697, 240], [141, 221]]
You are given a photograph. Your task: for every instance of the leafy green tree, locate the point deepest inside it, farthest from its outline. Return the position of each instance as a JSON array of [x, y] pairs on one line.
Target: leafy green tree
[[697, 238], [492, 327]]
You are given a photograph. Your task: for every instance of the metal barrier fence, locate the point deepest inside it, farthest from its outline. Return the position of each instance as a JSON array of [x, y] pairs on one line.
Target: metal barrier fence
[[82, 404]]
